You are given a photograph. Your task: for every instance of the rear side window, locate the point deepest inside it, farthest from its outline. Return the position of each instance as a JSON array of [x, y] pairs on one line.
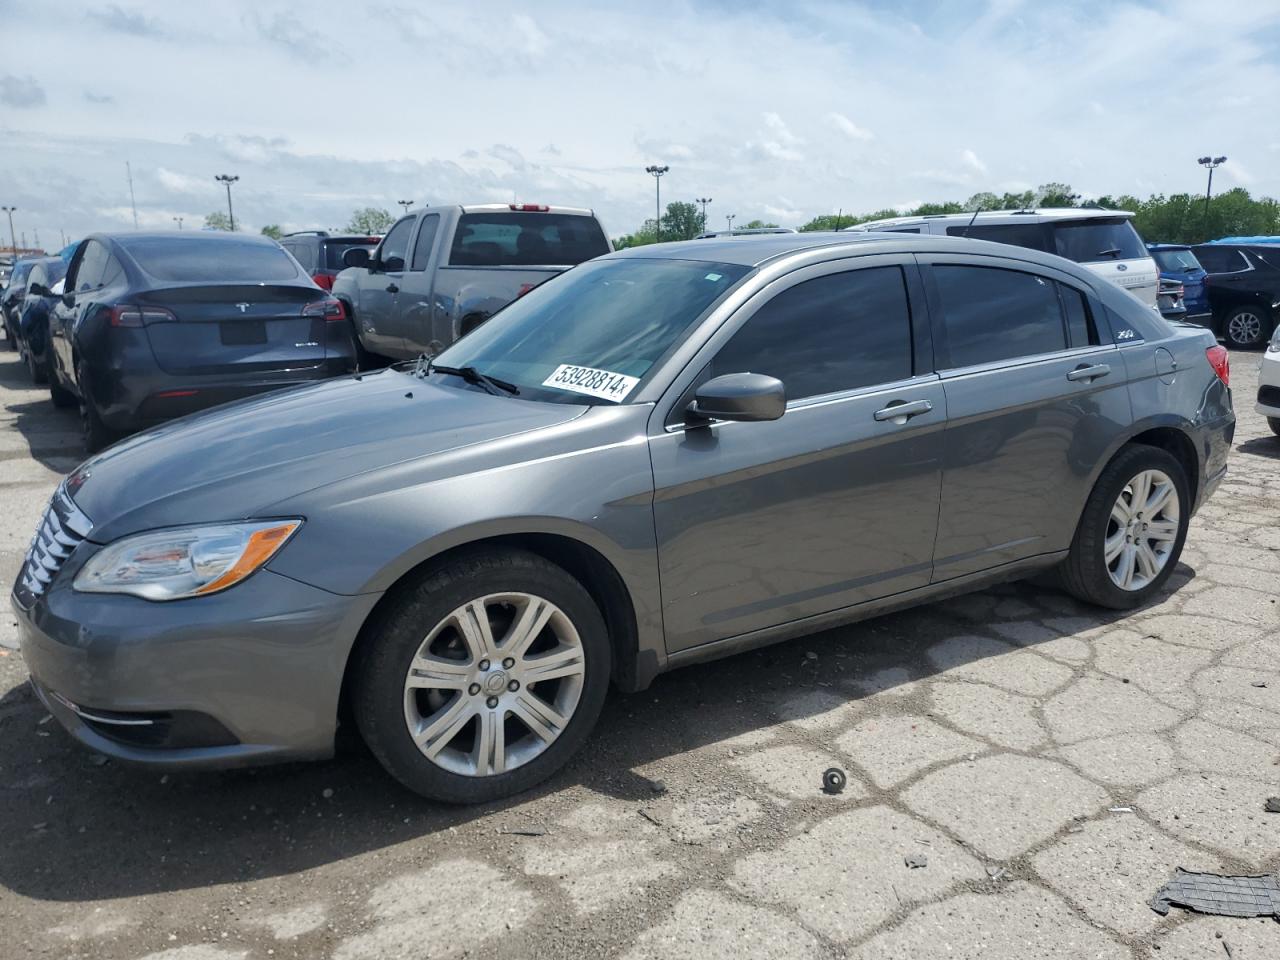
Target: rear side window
[[1081, 331], [1030, 235], [199, 260], [511, 239], [304, 253], [1221, 259], [832, 333], [92, 264], [426, 240], [1098, 241], [335, 249], [991, 314]]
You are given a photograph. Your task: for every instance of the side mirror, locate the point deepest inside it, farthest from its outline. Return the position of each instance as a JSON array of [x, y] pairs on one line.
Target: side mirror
[[392, 264], [356, 257], [739, 396]]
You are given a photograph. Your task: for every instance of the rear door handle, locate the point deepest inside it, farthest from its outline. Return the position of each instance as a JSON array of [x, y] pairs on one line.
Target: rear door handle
[[1092, 372], [901, 412], [392, 288]]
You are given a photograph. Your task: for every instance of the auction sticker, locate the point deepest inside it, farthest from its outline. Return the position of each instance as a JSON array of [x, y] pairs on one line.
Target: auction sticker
[[604, 384]]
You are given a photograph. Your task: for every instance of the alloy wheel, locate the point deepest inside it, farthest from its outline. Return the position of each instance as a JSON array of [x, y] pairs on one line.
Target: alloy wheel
[[494, 684], [1244, 328], [1142, 530]]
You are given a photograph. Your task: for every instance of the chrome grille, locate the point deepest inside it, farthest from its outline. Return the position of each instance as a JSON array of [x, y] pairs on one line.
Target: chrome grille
[[60, 531]]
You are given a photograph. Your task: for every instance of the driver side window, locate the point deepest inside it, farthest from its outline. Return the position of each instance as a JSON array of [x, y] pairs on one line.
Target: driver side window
[[395, 246], [92, 265]]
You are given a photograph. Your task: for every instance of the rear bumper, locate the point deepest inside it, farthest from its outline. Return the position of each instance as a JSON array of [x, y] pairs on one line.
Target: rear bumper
[[1268, 402], [134, 398], [248, 676]]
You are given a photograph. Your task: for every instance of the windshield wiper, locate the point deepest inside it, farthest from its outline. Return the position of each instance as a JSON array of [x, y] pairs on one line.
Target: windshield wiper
[[1110, 252], [472, 375]]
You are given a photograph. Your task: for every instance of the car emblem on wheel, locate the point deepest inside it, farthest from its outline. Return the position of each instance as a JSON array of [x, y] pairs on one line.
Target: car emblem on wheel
[[242, 307]]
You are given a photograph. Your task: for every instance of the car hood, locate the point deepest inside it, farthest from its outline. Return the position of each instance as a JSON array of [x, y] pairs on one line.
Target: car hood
[[232, 461]]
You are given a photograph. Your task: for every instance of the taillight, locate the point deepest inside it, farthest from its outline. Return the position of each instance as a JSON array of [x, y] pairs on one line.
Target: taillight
[[131, 316], [330, 309], [529, 207], [1220, 360], [323, 280]]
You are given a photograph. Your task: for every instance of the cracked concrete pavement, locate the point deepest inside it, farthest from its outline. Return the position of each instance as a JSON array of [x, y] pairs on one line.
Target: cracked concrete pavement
[[1053, 762]]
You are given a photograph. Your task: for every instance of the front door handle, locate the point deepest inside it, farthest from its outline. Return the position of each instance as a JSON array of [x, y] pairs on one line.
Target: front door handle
[[392, 288], [1089, 372], [900, 412]]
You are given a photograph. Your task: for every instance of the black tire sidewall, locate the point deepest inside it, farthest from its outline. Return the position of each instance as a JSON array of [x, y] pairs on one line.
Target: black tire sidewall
[[1263, 332], [1088, 577], [396, 635]]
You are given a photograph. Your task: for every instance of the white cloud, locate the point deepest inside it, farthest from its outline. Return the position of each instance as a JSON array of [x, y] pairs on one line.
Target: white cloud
[[972, 161], [180, 182], [527, 30], [848, 127]]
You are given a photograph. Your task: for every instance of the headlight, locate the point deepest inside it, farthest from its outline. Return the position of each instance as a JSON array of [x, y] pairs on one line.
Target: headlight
[[1274, 345], [184, 561]]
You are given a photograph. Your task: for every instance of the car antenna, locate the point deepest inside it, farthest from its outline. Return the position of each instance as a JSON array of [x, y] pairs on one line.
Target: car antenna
[[976, 208]]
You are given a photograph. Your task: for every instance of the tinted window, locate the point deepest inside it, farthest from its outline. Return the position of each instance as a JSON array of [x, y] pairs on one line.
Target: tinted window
[[1098, 241], [36, 276], [113, 273], [334, 250], [426, 240], [304, 252], [990, 314], [1221, 259], [203, 259], [833, 333], [1029, 235], [617, 316], [92, 264], [395, 245], [526, 239], [1176, 261], [900, 230], [1080, 328]]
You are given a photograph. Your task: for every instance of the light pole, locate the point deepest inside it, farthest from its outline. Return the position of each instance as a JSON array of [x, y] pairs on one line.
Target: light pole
[[704, 201], [1212, 163], [406, 204], [228, 180], [656, 172], [178, 221], [13, 239], [729, 217]]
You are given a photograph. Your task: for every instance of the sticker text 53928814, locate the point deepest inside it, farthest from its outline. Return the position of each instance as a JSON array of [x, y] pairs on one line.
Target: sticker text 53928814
[[604, 384]]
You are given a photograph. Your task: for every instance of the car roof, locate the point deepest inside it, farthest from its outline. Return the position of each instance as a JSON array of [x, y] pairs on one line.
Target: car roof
[[1245, 241], [753, 251], [516, 208], [1168, 246], [183, 236], [1042, 215]]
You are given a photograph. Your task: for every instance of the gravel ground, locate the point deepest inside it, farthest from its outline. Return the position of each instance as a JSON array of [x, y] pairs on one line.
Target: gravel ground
[[1053, 763]]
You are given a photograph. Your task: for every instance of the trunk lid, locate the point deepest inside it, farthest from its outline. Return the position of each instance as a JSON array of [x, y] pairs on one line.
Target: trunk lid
[[235, 328]]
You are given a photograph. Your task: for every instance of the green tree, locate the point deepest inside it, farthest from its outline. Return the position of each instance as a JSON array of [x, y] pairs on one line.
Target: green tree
[[827, 221], [217, 221], [754, 225], [682, 221], [273, 231], [1056, 195], [370, 220]]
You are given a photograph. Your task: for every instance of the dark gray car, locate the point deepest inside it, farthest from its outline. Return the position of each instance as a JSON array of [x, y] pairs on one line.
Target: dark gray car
[[663, 456]]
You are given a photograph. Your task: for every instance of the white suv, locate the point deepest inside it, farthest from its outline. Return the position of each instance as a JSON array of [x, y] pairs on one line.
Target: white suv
[[1102, 240]]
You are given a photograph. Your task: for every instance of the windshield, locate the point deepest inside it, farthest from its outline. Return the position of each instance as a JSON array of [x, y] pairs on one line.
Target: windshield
[[203, 260], [592, 333], [1176, 261], [1099, 241]]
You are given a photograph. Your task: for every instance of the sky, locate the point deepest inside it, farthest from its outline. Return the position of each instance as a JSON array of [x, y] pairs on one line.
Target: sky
[[779, 110]]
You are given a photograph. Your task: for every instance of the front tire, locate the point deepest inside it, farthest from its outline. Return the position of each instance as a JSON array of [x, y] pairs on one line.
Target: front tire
[[96, 434], [1274, 424], [1132, 530], [39, 373], [483, 677], [1245, 327]]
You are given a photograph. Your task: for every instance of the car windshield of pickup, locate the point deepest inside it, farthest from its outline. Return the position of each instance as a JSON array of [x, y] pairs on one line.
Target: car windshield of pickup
[[591, 334], [526, 239]]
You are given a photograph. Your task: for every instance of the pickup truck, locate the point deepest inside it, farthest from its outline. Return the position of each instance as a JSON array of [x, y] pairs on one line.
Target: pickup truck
[[440, 272]]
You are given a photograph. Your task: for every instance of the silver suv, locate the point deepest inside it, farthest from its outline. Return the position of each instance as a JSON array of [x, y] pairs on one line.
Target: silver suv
[[664, 456]]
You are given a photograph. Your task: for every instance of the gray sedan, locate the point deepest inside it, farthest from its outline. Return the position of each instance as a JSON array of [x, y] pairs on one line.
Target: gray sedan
[[663, 456]]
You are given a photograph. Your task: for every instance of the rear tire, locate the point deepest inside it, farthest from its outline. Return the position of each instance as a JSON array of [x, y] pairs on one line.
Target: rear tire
[[1118, 535], [1274, 424], [62, 398], [364, 359], [421, 666], [96, 434], [38, 371], [1246, 327]]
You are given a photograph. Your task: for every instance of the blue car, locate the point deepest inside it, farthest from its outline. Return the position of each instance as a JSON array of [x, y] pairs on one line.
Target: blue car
[[1177, 262]]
